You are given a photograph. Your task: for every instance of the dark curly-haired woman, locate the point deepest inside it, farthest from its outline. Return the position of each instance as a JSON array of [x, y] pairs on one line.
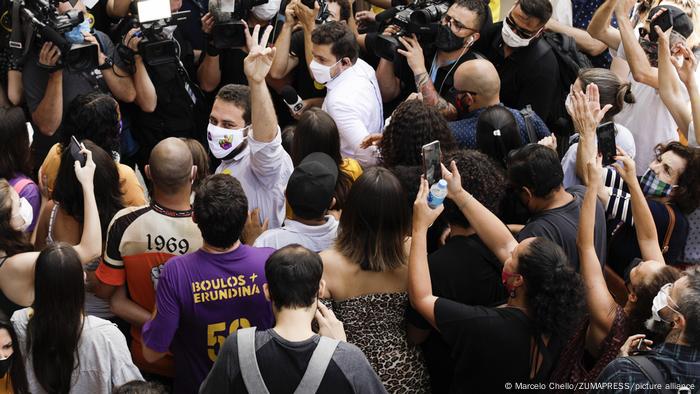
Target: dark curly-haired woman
[[519, 341], [413, 124]]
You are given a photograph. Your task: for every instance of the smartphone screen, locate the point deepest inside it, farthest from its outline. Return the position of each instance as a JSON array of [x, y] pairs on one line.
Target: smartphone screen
[[606, 142], [431, 162], [152, 10], [75, 151]]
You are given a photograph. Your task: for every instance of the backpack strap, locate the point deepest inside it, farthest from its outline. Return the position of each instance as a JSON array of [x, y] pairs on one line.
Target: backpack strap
[[650, 371], [21, 184], [318, 364], [529, 127], [669, 229], [248, 362]]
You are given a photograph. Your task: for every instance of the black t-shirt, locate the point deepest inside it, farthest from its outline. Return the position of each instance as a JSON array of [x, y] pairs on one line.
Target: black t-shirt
[[465, 271], [282, 364], [444, 77], [491, 346], [304, 84], [530, 75], [560, 225]]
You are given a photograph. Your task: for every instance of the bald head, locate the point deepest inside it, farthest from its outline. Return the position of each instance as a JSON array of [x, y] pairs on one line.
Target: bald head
[[479, 76], [170, 165]]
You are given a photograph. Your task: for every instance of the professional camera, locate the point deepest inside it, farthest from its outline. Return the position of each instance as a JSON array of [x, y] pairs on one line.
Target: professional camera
[[419, 18], [228, 30], [156, 23], [39, 22]]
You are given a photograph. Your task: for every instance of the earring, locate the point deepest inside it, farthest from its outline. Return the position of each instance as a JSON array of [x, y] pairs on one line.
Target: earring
[[512, 293]]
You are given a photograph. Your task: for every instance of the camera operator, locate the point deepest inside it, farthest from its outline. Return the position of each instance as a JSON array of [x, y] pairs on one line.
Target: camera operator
[[47, 87], [431, 70], [225, 66], [291, 59], [171, 104]]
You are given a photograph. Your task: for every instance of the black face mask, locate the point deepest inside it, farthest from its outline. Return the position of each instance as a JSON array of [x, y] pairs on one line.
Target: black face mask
[[446, 40], [5, 365]]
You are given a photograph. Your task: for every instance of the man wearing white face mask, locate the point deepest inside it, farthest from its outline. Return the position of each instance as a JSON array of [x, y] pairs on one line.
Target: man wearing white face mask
[[527, 65], [675, 363], [244, 134], [353, 100]]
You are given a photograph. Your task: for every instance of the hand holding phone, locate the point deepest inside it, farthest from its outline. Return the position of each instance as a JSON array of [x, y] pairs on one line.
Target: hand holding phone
[[431, 162], [75, 148], [605, 133]]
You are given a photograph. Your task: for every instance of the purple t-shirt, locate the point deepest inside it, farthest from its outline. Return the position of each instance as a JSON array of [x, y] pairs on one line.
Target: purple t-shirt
[[201, 298], [32, 194]]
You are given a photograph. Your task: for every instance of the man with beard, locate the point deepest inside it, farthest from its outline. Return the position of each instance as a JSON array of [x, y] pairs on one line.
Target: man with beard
[[675, 363], [430, 70]]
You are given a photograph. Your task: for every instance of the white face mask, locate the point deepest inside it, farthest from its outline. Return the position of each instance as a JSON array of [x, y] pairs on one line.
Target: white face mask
[[223, 141], [321, 73], [513, 40], [26, 213], [660, 302]]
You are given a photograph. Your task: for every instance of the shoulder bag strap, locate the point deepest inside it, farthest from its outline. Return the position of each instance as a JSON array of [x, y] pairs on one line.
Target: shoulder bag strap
[[669, 229], [248, 362], [21, 184], [650, 371], [318, 364]]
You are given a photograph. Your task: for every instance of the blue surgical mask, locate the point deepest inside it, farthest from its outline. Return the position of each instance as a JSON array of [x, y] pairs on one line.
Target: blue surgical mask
[[75, 36]]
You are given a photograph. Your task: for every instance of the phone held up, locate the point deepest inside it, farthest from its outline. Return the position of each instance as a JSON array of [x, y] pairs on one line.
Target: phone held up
[[75, 148], [431, 162], [606, 142]]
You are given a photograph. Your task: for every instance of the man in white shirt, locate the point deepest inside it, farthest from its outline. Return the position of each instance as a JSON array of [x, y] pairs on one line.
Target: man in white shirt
[[244, 134], [310, 194], [353, 100]]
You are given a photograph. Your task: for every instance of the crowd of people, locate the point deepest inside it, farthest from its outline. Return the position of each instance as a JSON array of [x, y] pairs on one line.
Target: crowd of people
[[221, 205]]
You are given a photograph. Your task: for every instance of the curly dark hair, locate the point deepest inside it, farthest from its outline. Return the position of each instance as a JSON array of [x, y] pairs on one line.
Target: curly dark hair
[[554, 290], [414, 124], [687, 195], [482, 178], [92, 116]]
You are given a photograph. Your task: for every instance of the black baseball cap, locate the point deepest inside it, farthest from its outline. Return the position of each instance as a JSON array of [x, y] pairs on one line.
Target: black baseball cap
[[311, 186], [682, 23]]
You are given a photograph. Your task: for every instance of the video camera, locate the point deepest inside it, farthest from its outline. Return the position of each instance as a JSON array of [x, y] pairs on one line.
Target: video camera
[[419, 18], [229, 29], [154, 18], [39, 22]]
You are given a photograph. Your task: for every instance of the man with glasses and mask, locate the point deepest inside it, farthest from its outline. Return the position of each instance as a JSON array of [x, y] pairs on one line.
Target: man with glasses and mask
[[527, 66], [429, 70], [675, 363]]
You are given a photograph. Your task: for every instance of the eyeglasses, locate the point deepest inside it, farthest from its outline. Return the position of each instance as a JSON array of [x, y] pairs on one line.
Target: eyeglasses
[[519, 30], [666, 289], [454, 24]]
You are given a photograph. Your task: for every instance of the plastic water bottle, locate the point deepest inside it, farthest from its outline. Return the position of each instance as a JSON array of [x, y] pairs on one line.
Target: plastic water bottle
[[437, 194]]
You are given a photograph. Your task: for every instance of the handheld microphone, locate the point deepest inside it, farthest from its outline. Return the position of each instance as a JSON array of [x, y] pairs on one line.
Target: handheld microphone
[[292, 99]]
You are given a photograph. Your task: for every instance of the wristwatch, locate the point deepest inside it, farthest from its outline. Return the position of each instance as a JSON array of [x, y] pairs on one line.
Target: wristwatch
[[107, 64]]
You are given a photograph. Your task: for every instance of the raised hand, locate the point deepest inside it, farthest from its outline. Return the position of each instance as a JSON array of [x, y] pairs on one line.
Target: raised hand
[[413, 53], [686, 68], [627, 170], [593, 97], [453, 179], [259, 60], [584, 120], [207, 23], [86, 173], [423, 215], [49, 55], [328, 324]]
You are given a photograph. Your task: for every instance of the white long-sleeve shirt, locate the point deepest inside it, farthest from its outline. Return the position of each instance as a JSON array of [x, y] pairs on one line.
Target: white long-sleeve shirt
[[263, 168], [355, 104]]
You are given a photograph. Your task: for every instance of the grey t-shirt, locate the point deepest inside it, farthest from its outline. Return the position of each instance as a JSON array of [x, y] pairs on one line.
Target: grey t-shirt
[[560, 225], [105, 361], [282, 364]]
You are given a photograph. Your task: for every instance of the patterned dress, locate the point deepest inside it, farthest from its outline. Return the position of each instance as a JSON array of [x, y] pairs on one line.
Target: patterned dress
[[376, 323]]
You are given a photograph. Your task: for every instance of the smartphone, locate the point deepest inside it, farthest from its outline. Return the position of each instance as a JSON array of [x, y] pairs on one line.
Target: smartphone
[[606, 142], [431, 162], [640, 344], [661, 19], [75, 149]]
